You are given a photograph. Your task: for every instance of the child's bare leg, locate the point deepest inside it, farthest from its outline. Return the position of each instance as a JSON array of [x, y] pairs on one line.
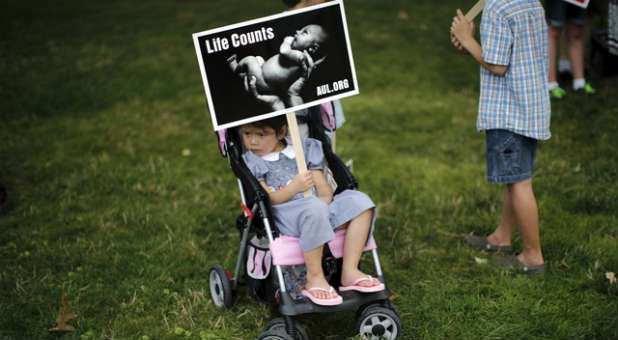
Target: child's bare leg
[[355, 239], [315, 275], [527, 215], [575, 36], [249, 65], [554, 37], [502, 235]]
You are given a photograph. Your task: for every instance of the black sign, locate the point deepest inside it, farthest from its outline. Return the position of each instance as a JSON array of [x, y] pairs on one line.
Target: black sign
[[278, 64]]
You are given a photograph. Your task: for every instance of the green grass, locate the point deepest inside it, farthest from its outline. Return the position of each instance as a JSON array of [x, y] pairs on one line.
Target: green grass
[[102, 100]]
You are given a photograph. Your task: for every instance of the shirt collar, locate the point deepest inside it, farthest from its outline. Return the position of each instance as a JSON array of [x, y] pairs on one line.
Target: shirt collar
[[288, 151]]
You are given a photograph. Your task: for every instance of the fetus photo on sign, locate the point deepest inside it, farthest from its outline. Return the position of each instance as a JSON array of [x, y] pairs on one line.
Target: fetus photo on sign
[[278, 80], [274, 65]]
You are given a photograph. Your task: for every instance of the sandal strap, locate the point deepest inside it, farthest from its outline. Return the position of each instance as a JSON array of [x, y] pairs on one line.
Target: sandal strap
[[330, 290], [359, 280]]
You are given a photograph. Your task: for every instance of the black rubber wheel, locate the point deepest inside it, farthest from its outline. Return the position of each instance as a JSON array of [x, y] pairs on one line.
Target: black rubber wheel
[[275, 334], [385, 303], [378, 323], [220, 287], [279, 324]]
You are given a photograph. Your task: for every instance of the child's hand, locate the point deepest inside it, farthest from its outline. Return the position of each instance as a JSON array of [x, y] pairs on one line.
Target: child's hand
[[461, 30], [457, 44], [302, 182]]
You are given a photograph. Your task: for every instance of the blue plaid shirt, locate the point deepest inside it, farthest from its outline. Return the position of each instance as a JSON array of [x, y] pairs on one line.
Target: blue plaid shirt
[[514, 33]]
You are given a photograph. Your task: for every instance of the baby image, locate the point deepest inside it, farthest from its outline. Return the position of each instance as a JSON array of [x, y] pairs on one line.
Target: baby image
[[294, 62]]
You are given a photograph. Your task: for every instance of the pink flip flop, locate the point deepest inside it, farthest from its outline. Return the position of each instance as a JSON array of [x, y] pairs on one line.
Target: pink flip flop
[[333, 301], [363, 289]]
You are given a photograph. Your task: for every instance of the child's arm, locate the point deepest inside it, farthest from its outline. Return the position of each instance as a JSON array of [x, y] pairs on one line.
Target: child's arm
[[300, 183], [325, 192], [286, 50], [463, 30]]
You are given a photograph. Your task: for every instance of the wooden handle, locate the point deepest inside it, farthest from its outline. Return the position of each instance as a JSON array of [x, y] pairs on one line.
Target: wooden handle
[[298, 146], [475, 10]]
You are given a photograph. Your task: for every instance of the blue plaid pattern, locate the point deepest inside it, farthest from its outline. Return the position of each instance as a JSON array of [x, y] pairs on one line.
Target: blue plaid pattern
[[514, 33]]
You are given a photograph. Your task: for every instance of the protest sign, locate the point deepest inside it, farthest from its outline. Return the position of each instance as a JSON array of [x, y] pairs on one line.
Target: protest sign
[[277, 64]]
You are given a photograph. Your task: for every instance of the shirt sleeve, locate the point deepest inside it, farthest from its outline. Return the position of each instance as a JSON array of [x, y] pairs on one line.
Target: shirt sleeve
[[497, 40], [256, 165], [313, 154]]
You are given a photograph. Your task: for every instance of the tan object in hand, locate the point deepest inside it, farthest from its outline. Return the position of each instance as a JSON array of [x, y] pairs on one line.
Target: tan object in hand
[[475, 10]]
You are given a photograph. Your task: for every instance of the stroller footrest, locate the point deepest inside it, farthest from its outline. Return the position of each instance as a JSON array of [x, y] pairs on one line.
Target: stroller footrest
[[286, 250]]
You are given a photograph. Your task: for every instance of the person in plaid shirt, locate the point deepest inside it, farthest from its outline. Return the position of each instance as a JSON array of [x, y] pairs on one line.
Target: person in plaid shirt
[[514, 111]]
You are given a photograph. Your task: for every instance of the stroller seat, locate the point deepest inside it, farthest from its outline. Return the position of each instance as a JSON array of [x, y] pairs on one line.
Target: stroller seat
[[286, 250]]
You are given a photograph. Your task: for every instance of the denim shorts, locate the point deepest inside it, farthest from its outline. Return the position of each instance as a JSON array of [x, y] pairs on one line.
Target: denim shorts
[[558, 12], [510, 156]]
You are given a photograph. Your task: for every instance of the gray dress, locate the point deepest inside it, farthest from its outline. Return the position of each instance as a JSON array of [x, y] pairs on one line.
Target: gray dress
[[308, 218]]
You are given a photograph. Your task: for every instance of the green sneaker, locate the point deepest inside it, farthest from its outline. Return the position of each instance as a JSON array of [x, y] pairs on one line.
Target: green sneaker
[[557, 93], [586, 89]]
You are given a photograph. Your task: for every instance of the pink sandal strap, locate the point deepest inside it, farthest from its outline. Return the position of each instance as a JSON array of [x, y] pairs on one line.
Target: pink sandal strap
[[366, 278], [329, 290]]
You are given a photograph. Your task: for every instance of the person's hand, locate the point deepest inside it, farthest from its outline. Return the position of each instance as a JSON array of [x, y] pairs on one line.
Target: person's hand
[[457, 44], [461, 30], [309, 64], [302, 182]]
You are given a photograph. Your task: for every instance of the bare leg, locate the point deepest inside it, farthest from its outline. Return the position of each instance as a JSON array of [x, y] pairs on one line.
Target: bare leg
[[502, 235], [246, 66], [563, 54], [355, 239], [274, 102], [575, 37], [554, 37], [527, 215], [315, 275]]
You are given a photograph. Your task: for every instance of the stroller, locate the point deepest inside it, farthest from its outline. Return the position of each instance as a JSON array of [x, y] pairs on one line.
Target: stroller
[[272, 262]]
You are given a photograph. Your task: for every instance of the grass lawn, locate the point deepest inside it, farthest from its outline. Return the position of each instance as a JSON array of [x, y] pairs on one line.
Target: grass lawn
[[121, 201]]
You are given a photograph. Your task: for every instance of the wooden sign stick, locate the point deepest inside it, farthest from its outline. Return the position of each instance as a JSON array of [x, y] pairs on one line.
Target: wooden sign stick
[[475, 10], [298, 146]]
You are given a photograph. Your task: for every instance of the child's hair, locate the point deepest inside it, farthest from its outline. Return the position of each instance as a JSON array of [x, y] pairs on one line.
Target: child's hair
[[276, 123]]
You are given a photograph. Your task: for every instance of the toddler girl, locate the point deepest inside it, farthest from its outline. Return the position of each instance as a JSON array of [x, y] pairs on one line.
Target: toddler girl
[[271, 159]]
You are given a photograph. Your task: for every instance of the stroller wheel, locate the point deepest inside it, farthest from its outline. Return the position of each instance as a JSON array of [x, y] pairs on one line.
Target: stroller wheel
[[378, 323], [279, 325], [386, 304], [220, 287], [275, 334]]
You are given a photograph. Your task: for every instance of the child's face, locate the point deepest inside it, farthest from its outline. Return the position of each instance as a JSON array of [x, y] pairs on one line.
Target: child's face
[[308, 36], [261, 140]]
